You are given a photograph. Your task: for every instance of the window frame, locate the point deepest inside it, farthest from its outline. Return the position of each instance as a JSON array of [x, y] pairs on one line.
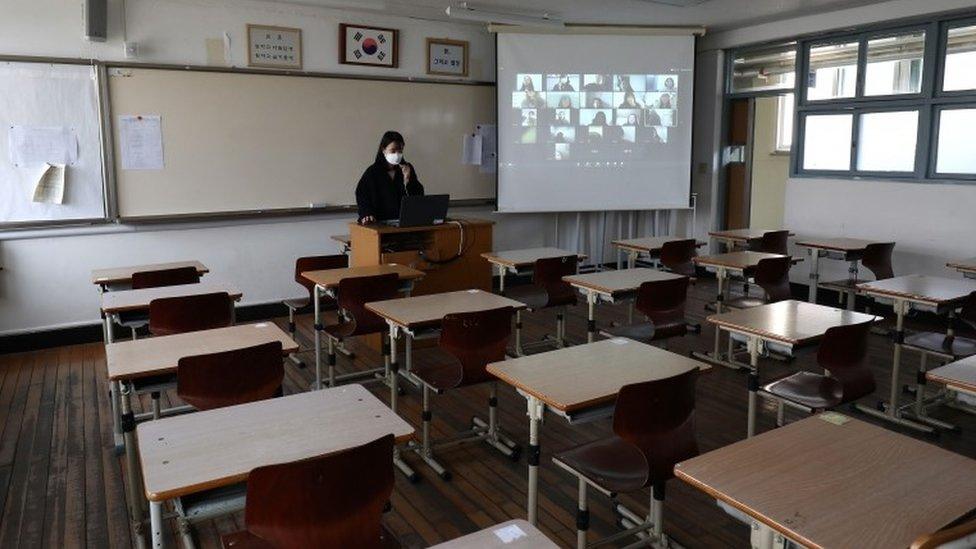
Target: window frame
[[933, 159], [943, 49]]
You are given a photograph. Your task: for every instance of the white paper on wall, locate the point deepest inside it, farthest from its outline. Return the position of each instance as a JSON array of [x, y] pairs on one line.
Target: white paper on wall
[[141, 142], [489, 148], [33, 146], [471, 151], [49, 187]]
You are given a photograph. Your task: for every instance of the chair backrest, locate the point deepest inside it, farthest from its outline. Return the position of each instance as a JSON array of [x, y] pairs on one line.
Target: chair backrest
[[877, 259], [165, 277], [476, 339], [676, 256], [772, 274], [336, 500], [663, 302], [968, 313], [843, 353], [356, 292], [773, 242], [317, 263], [176, 315], [961, 536], [548, 274], [231, 377], [658, 417]]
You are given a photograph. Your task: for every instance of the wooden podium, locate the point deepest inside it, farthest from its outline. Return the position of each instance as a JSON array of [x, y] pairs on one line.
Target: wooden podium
[[431, 249]]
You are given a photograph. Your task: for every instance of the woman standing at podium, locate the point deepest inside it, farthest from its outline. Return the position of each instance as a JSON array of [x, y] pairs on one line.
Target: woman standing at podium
[[385, 182]]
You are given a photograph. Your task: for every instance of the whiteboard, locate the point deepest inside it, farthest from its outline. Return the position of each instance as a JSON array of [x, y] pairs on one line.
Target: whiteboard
[[45, 95], [239, 142]]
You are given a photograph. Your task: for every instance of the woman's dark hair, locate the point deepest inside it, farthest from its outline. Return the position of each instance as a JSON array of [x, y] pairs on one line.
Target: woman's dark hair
[[388, 137], [600, 119]]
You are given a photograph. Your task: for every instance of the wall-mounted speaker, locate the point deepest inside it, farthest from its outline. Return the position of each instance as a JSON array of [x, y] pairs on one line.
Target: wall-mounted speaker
[[96, 20]]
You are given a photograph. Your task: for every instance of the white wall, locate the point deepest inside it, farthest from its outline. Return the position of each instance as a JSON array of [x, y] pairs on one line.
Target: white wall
[[930, 223]]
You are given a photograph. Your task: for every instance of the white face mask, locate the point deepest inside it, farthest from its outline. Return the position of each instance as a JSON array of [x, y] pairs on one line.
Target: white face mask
[[393, 158]]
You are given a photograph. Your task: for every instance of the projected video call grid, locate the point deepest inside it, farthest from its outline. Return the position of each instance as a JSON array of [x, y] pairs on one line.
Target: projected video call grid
[[577, 115]]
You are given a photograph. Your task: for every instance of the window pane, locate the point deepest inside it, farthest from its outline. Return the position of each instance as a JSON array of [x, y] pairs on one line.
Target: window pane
[[956, 142], [827, 142], [895, 64], [960, 59], [833, 71], [784, 123], [887, 141], [767, 69]]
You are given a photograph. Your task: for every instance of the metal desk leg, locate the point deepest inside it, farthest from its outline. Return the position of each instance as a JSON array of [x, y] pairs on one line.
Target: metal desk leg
[[715, 356], [536, 410], [133, 480], [394, 368], [891, 412], [918, 409], [156, 523], [115, 391], [317, 298], [590, 317], [501, 278], [852, 277], [519, 351], [754, 344], [814, 274], [631, 259], [764, 537]]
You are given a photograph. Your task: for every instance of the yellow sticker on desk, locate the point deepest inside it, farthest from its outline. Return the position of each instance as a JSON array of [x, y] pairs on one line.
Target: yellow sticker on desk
[[834, 417]]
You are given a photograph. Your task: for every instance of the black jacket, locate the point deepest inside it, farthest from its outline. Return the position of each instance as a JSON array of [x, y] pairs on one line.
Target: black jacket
[[379, 196]]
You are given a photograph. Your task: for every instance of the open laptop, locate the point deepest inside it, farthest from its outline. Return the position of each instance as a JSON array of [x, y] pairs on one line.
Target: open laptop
[[421, 211]]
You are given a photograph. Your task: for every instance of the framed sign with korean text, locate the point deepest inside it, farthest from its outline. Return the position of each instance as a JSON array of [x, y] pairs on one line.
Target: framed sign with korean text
[[447, 57], [274, 47], [372, 46]]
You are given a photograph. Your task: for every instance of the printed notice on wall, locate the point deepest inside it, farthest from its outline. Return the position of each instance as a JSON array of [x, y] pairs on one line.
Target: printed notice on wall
[[32, 146], [489, 148], [141, 139], [49, 186]]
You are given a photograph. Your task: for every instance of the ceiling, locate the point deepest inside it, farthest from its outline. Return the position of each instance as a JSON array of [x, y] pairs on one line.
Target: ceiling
[[714, 14]]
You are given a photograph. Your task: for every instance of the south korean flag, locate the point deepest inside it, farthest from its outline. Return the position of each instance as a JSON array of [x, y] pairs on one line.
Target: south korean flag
[[369, 46]]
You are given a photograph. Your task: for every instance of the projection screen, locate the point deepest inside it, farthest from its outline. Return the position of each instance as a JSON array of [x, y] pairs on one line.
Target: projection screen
[[590, 122]]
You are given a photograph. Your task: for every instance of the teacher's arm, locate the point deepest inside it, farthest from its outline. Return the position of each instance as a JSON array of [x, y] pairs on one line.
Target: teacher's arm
[[413, 186], [364, 200]]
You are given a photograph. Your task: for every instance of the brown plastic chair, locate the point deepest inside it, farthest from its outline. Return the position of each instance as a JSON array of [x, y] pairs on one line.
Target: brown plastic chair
[[548, 290], [654, 429], [165, 277], [233, 377], [958, 536], [332, 501], [300, 304], [772, 274], [843, 354], [677, 255], [177, 315], [474, 339], [133, 320], [875, 258], [663, 303], [772, 242], [356, 320]]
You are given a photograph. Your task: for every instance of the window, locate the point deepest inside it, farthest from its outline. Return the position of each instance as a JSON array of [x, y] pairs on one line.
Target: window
[[960, 59], [784, 123], [772, 68], [827, 139], [833, 71], [886, 141], [954, 155], [894, 64]]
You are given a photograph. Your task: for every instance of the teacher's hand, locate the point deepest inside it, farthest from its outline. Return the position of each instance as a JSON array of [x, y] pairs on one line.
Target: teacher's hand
[[407, 170], [367, 219]]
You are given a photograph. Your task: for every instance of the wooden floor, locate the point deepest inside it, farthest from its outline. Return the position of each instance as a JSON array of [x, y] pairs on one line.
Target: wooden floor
[[61, 484]]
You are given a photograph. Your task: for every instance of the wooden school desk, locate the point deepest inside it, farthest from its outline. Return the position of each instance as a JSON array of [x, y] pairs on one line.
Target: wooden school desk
[[842, 249], [612, 287], [965, 266], [153, 356], [739, 237], [650, 245], [344, 241], [114, 303], [941, 295], [520, 261], [580, 383], [825, 485], [958, 377], [122, 276], [514, 534], [723, 265], [189, 454], [785, 325], [327, 283]]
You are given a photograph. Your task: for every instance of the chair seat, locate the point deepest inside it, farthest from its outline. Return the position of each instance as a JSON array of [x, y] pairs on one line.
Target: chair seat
[[340, 331], [150, 384], [808, 389], [297, 303], [533, 296], [439, 376], [845, 285], [611, 463], [247, 540], [133, 319], [935, 342], [744, 302], [649, 331]]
